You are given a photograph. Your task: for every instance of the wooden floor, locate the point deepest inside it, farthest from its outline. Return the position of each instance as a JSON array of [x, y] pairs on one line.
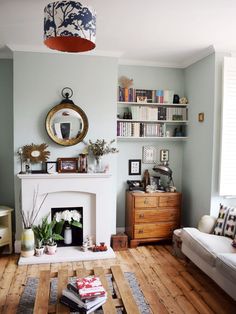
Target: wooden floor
[[170, 285]]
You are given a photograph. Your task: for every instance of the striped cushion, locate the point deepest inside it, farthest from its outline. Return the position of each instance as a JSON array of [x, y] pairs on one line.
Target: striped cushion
[[230, 223], [220, 222]]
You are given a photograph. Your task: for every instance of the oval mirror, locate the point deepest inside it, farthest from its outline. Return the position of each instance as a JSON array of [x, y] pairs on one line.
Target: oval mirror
[[66, 123]]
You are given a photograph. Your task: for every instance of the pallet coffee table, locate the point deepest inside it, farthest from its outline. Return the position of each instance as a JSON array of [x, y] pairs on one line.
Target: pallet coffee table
[[124, 297]]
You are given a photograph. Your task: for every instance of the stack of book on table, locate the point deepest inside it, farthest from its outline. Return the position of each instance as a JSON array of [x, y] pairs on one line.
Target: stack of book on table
[[84, 295]]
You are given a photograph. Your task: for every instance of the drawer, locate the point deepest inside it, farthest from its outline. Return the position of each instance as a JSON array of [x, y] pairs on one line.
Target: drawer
[[145, 201], [167, 201], [154, 230], [156, 215], [4, 235]]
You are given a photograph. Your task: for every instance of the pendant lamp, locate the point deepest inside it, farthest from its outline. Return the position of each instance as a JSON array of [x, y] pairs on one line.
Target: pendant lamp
[[69, 26]]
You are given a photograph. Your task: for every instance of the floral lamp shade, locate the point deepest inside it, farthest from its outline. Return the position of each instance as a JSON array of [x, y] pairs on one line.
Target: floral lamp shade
[[69, 26]]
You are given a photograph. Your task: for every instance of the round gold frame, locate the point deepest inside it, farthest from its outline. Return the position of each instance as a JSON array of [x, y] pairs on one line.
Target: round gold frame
[[66, 142]]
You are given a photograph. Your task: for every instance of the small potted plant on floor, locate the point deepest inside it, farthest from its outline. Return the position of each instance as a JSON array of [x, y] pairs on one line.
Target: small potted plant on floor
[[51, 238], [40, 235]]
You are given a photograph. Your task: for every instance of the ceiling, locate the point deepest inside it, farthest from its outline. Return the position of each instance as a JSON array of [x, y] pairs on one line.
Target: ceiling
[[152, 32]]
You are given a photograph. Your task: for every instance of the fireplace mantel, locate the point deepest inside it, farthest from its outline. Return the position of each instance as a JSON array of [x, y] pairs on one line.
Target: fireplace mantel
[[96, 190]]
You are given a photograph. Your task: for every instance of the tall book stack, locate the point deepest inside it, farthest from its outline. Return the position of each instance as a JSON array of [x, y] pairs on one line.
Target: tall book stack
[[84, 295]]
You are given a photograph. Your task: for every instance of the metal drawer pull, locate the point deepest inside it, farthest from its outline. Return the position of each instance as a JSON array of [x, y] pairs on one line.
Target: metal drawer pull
[[146, 201], [141, 216], [140, 231]]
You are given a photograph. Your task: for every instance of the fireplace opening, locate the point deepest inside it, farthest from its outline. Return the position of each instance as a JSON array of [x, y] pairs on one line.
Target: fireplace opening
[[67, 214]]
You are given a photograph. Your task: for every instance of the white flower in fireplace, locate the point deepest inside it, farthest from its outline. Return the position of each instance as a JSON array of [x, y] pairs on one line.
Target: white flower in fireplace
[[71, 217]]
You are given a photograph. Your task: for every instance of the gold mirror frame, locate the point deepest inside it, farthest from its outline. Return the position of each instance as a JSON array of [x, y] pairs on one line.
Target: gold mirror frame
[[66, 142]]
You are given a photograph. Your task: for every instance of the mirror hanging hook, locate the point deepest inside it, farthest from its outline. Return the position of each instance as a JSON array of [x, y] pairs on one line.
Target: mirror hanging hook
[[67, 93]]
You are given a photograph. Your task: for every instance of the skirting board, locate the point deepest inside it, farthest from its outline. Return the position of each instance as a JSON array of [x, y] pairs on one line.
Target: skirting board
[[67, 254]]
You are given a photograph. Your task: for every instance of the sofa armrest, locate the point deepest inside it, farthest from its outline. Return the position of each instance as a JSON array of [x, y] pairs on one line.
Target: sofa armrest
[[206, 224]]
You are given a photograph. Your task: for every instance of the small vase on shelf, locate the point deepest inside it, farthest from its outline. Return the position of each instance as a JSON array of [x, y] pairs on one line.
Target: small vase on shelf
[[98, 164]]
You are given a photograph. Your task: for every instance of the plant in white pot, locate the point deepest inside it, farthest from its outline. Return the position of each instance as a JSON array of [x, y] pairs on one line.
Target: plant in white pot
[[40, 235], [51, 238]]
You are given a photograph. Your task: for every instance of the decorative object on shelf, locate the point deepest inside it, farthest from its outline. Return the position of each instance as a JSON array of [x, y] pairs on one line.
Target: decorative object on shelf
[[20, 154], [201, 117], [146, 179], [149, 154], [98, 149], [125, 82], [69, 26], [99, 248], [28, 219], [183, 100], [179, 131], [51, 167], [28, 166], [66, 123], [67, 218], [142, 99], [165, 170], [150, 188], [134, 167], [67, 165], [68, 235], [36, 153], [176, 99], [27, 242], [83, 163]]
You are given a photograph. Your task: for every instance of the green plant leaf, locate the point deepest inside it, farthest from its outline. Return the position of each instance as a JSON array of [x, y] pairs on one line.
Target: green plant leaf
[[76, 224]]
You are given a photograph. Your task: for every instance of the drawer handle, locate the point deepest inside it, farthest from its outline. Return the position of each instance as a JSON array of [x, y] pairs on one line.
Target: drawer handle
[[141, 216], [146, 201], [140, 231]]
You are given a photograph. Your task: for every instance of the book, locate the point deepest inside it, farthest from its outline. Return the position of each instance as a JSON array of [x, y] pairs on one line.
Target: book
[[90, 287], [75, 307], [73, 296]]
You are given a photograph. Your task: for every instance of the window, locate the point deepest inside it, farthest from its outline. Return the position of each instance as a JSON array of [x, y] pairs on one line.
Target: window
[[228, 139]]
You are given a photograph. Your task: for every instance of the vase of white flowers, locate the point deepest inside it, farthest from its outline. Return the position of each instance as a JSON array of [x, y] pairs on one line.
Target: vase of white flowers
[[64, 220]]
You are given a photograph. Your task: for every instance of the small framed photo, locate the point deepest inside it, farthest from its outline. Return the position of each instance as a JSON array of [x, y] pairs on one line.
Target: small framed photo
[[134, 167], [149, 155], [67, 165], [51, 167], [142, 99]]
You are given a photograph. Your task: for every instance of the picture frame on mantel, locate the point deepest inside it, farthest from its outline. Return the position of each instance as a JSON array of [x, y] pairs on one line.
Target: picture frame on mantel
[[67, 165], [134, 167], [51, 167]]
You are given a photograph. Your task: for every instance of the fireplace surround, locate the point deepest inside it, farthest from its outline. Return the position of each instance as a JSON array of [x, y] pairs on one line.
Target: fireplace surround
[[94, 192]]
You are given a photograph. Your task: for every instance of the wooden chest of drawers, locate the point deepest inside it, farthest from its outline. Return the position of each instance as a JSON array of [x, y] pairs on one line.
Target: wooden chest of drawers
[[151, 217]]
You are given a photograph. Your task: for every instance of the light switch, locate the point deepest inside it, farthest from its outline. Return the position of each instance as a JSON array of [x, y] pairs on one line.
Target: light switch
[[164, 155]]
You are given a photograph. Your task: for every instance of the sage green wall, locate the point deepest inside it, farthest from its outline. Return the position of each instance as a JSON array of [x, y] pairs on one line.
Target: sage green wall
[[6, 133], [148, 78], [198, 150], [38, 81]]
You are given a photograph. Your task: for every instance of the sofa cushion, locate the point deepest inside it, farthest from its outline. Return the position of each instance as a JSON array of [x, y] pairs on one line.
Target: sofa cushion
[[220, 222], [230, 223], [207, 246], [226, 265]]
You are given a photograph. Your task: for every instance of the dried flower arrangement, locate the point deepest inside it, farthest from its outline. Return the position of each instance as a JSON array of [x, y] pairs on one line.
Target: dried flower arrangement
[[101, 147], [125, 82], [29, 217]]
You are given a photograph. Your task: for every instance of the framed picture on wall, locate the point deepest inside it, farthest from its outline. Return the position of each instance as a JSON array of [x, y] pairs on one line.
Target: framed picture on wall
[[134, 167], [149, 154]]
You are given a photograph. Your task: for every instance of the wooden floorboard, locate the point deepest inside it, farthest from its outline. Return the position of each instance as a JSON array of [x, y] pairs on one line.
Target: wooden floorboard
[[170, 285]]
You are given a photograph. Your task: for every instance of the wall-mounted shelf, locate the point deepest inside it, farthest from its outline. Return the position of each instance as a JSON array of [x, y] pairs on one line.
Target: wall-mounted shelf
[[151, 104], [152, 138]]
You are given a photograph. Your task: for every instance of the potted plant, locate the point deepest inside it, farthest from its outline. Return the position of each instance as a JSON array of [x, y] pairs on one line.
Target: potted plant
[[40, 234], [99, 149], [51, 238]]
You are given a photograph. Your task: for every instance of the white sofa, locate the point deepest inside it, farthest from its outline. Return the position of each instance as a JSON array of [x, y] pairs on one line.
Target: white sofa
[[214, 255]]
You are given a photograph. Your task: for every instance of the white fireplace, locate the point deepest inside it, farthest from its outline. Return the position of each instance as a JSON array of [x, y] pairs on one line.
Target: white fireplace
[[94, 192]]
